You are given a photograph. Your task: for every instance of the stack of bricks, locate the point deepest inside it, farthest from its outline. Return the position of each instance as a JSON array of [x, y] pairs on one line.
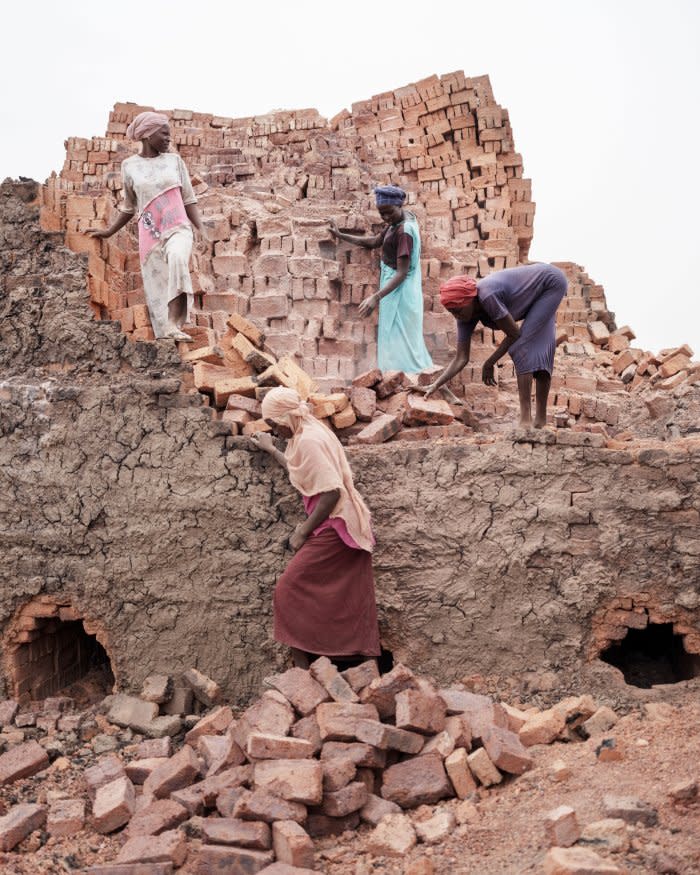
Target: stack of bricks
[[268, 186], [321, 752]]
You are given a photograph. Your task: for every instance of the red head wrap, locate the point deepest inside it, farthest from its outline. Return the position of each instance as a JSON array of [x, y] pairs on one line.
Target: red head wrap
[[457, 292]]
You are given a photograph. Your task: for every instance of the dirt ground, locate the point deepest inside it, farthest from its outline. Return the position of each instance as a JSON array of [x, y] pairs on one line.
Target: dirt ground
[[500, 832]]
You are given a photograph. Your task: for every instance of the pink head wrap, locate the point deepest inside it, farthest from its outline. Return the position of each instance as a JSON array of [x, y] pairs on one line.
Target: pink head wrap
[[457, 292], [282, 404], [145, 124]]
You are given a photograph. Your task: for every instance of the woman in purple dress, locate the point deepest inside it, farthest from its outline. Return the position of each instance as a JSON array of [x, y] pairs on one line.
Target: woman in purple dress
[[530, 293]]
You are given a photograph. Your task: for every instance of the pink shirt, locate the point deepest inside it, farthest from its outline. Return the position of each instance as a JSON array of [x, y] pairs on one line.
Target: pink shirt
[[337, 523]]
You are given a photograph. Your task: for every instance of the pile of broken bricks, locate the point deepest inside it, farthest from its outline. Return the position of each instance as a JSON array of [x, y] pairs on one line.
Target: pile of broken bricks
[[319, 753]]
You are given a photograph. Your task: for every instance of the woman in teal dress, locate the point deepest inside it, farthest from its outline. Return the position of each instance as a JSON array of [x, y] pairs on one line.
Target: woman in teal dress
[[400, 343]]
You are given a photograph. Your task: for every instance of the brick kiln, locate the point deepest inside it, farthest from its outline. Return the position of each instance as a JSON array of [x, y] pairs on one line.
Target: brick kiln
[[133, 509]]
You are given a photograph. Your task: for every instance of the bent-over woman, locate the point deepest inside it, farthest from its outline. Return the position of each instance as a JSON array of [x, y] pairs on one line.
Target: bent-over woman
[[157, 188], [400, 343], [324, 602], [531, 293]]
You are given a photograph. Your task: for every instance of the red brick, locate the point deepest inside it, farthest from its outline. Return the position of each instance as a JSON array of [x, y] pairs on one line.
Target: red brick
[[483, 769], [226, 800], [578, 861], [113, 806], [66, 817], [130, 869], [338, 803], [391, 382], [459, 729], [418, 781], [427, 411], [382, 692], [178, 772], [8, 710], [293, 780], [285, 869], [20, 821], [167, 847], [292, 844], [214, 723], [239, 323], [459, 773], [231, 831], [543, 728], [204, 794], [300, 688], [379, 430], [240, 402], [375, 808], [328, 676], [105, 770], [338, 772], [269, 307], [262, 805], [220, 860], [154, 747], [393, 837], [561, 827], [307, 728], [159, 816], [506, 751], [22, 761], [442, 744], [368, 379], [265, 746], [337, 720], [361, 676], [420, 712], [387, 737], [268, 714], [318, 825], [138, 771], [364, 402]]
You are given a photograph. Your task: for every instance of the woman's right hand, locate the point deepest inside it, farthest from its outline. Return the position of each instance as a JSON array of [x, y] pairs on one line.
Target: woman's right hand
[[430, 388], [263, 441], [333, 228], [97, 233]]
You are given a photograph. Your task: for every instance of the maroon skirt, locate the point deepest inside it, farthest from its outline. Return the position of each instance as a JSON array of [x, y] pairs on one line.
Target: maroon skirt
[[324, 601]]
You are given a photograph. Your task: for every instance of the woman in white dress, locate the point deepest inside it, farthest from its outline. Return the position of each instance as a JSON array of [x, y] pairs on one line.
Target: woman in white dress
[[157, 188]]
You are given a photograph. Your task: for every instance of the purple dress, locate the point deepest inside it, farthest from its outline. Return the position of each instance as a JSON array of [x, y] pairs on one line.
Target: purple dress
[[531, 293]]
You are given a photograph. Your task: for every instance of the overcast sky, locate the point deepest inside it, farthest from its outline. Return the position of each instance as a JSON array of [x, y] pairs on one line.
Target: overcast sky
[[603, 98]]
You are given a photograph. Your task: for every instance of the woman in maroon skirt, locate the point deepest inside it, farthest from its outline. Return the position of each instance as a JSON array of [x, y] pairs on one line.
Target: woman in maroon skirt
[[324, 603]]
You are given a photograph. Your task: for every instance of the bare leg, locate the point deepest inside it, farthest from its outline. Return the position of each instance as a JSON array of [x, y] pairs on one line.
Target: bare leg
[[524, 394], [299, 658], [543, 381], [176, 310]]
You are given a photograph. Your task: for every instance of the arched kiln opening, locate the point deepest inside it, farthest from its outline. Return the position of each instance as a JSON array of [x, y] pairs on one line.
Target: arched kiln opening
[[653, 655], [50, 648]]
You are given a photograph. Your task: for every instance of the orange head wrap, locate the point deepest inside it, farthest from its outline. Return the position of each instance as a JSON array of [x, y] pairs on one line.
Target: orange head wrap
[[457, 291]]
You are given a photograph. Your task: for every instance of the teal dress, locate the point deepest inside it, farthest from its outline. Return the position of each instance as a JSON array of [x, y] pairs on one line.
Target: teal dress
[[400, 344]]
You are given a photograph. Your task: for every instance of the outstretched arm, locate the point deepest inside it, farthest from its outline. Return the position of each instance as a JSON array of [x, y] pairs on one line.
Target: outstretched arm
[[102, 234], [455, 366], [508, 325], [367, 242]]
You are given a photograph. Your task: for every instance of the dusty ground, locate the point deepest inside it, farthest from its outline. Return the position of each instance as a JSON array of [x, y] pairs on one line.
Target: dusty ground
[[502, 833]]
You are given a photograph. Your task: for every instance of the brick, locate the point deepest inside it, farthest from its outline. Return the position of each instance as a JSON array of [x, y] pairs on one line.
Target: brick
[[561, 827], [231, 831], [323, 671], [338, 803], [8, 711], [338, 400], [292, 844], [318, 825], [265, 746], [459, 773], [418, 781], [442, 744], [285, 869], [210, 355], [630, 809], [261, 804], [375, 808], [179, 771], [223, 389], [393, 837], [382, 692], [300, 688], [180, 703], [578, 861], [226, 800], [363, 755], [221, 860], [20, 821], [307, 728], [392, 381], [157, 688], [167, 847], [214, 723], [364, 402], [483, 769], [242, 402], [22, 761], [344, 419], [673, 365], [138, 771], [255, 426], [543, 728], [266, 715], [105, 770], [610, 834], [458, 728], [381, 429], [427, 411], [506, 751], [242, 325], [269, 307], [204, 794], [159, 816], [113, 806], [130, 869], [132, 712], [368, 379], [387, 737], [361, 676], [419, 712], [436, 828], [598, 332], [337, 721], [66, 817], [293, 780], [338, 772]]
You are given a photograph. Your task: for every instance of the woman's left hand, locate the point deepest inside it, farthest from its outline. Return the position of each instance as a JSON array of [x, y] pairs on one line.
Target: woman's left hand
[[297, 538], [368, 305], [487, 375]]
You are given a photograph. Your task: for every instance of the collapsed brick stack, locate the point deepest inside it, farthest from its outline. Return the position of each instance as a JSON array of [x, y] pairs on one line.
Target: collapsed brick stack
[[319, 753]]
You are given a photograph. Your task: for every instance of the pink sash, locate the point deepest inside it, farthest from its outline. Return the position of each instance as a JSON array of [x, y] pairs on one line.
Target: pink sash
[[163, 213]]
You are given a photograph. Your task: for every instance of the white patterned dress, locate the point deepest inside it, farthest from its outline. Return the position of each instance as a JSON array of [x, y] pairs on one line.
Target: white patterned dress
[[157, 190]]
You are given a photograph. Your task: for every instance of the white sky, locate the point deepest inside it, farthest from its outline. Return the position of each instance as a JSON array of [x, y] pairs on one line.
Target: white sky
[[602, 95]]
